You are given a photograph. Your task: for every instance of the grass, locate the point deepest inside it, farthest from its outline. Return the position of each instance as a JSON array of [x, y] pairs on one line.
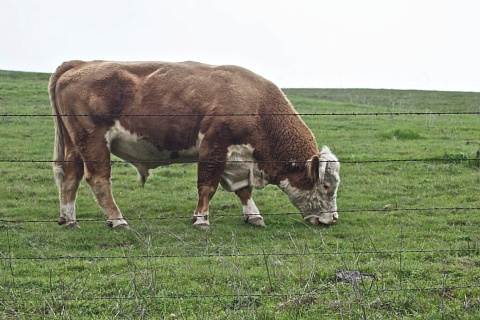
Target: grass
[[426, 262], [401, 134]]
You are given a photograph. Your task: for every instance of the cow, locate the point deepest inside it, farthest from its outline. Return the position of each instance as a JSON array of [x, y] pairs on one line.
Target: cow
[[239, 127]]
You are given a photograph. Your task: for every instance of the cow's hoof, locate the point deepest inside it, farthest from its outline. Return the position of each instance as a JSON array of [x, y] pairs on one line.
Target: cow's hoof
[[72, 224], [255, 220], [201, 223], [314, 221], [117, 223], [68, 223]]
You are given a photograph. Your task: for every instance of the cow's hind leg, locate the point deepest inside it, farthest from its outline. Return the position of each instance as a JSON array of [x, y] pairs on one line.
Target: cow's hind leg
[[250, 210], [212, 162], [97, 175], [68, 176]]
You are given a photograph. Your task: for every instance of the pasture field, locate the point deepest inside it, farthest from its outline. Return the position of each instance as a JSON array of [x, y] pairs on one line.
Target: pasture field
[[409, 224]]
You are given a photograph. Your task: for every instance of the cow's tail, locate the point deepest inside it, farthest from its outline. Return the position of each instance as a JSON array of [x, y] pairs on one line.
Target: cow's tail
[[59, 146]]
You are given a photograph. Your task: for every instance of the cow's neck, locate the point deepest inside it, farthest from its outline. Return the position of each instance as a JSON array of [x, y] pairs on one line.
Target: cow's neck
[[289, 144]]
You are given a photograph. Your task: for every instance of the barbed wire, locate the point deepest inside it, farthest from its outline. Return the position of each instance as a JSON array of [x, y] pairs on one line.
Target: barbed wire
[[265, 214], [169, 115], [459, 158], [240, 255], [297, 295]]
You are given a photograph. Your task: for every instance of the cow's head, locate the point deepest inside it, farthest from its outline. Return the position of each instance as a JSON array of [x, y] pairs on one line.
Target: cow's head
[[318, 204]]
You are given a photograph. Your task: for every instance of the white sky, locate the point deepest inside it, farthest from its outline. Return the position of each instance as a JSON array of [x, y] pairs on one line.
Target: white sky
[[396, 44]]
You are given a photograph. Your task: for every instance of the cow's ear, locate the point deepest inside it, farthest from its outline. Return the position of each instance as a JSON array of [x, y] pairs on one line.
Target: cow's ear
[[313, 168]]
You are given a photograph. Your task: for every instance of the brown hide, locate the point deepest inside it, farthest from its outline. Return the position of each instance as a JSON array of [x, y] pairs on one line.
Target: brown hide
[[168, 104]]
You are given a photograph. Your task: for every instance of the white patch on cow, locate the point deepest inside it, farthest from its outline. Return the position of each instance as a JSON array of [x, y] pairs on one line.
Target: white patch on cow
[[199, 140], [252, 214], [242, 170], [132, 147], [67, 212], [250, 208], [129, 146]]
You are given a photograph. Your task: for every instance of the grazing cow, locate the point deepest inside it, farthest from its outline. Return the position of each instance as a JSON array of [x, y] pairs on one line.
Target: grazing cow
[[240, 127]]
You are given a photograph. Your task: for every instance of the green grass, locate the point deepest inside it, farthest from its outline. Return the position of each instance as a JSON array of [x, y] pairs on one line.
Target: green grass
[[426, 262], [401, 134]]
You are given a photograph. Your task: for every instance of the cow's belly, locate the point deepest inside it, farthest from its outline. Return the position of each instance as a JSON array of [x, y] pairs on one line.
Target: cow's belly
[[133, 148], [242, 170]]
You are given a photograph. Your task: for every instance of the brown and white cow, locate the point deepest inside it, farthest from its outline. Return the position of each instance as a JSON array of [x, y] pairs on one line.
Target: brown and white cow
[[240, 127]]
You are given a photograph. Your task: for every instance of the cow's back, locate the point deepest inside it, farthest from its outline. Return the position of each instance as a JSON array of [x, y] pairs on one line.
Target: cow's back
[[166, 87], [167, 103]]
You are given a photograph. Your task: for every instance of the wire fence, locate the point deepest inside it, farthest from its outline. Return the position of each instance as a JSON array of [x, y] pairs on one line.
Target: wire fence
[[8, 257], [240, 255], [247, 295], [219, 215], [447, 159], [170, 115]]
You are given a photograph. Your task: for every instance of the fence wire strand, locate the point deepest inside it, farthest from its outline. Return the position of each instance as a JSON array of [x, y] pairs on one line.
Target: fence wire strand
[[168, 162], [272, 295], [244, 255], [381, 211], [171, 115]]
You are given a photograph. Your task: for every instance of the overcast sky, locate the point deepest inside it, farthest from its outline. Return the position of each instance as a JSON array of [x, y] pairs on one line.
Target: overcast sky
[[395, 44]]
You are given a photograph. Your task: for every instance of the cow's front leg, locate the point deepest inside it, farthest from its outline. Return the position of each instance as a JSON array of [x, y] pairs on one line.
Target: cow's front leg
[[97, 175], [250, 210], [200, 216], [101, 187]]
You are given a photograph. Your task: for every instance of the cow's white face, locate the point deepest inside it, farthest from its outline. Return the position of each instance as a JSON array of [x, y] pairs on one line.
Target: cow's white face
[[318, 205]]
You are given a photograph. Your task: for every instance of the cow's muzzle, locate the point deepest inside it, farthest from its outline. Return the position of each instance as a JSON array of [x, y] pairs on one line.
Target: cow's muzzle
[[327, 218]]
